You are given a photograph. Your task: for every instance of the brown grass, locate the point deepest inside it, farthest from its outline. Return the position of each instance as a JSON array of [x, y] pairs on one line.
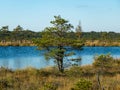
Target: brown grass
[[36, 79]]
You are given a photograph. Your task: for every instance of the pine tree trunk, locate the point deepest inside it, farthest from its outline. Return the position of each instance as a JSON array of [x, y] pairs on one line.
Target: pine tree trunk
[[60, 59]]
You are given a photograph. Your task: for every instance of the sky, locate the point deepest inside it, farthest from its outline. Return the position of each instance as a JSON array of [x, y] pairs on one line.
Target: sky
[[35, 15]]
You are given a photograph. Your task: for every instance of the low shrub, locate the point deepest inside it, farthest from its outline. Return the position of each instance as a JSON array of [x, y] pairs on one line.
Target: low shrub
[[83, 84]]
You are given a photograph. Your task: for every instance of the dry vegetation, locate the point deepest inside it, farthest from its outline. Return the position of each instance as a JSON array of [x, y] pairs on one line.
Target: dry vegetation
[[101, 43], [87, 43], [17, 43], [51, 79]]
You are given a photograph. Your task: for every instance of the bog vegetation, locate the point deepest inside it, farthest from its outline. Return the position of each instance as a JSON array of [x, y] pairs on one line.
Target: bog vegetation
[[21, 37], [98, 76]]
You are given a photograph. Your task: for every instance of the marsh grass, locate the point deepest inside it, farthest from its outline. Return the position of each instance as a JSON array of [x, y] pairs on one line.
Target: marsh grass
[[50, 79]]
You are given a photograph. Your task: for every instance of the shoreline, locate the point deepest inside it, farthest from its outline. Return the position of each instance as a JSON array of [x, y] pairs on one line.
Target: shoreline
[[87, 43]]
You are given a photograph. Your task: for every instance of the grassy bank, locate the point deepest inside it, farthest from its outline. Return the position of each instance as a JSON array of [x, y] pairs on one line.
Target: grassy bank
[[102, 43], [17, 43], [51, 79], [87, 43]]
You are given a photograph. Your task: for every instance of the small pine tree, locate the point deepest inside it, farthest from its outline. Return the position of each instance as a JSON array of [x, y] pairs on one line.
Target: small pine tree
[[56, 41]]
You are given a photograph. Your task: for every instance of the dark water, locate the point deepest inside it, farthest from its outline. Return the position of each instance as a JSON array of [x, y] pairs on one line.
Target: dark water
[[22, 57]]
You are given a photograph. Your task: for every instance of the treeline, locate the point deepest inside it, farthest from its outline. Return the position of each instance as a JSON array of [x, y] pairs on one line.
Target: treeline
[[110, 36], [19, 36], [101, 38]]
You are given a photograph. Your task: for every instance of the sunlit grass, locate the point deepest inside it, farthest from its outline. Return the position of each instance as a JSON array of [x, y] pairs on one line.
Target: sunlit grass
[[50, 77]]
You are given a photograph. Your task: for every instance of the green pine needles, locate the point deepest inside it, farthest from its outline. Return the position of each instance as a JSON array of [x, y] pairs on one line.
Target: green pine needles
[[56, 40]]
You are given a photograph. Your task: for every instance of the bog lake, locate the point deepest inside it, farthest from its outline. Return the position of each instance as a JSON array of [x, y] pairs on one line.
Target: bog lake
[[28, 56]]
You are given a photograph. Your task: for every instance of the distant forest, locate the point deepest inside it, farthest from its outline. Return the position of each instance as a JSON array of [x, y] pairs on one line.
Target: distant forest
[[24, 37]]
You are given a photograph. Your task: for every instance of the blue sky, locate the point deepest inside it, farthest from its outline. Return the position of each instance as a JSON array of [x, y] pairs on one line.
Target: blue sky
[[95, 15]]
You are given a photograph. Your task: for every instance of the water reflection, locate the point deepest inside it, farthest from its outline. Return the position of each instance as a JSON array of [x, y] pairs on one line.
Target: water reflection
[[20, 63]]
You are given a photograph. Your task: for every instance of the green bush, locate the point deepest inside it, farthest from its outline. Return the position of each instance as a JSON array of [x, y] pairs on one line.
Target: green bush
[[82, 84], [74, 71], [50, 86]]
